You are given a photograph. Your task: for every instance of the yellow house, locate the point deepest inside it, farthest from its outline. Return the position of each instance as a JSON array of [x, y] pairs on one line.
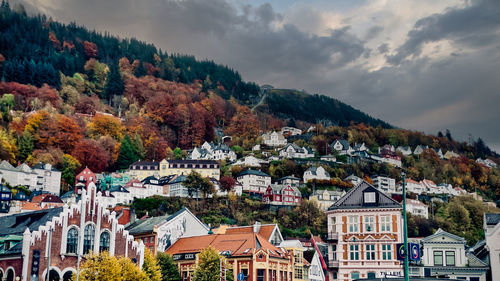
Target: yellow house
[[142, 169], [206, 168], [300, 265]]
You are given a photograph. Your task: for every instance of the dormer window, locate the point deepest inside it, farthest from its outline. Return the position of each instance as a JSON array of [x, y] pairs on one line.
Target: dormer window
[[369, 198]]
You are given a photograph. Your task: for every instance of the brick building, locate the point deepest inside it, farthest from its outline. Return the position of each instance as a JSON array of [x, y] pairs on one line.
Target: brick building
[[247, 253], [29, 241]]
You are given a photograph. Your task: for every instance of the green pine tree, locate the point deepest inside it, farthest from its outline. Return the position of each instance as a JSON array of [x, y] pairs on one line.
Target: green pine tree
[[26, 145], [140, 70], [169, 270], [114, 83], [138, 146], [128, 154]]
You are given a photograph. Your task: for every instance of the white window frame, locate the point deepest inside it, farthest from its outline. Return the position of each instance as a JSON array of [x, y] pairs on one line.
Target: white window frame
[[354, 252], [370, 252], [369, 221], [385, 223], [386, 252], [353, 224]]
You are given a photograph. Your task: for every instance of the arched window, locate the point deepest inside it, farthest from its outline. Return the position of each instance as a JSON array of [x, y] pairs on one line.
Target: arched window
[[67, 276], [10, 274], [88, 239], [104, 242], [72, 241], [54, 275]]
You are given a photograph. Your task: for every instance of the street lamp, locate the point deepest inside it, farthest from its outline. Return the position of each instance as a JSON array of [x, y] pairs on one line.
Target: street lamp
[[405, 230]]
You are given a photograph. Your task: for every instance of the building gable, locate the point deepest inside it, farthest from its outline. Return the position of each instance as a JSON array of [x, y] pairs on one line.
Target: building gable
[[355, 199]]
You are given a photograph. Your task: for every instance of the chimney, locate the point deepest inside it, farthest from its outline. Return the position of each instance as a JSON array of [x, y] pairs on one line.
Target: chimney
[[256, 227]]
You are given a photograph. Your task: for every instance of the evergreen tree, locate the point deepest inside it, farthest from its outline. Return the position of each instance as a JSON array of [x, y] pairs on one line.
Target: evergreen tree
[[169, 270], [127, 155], [140, 70], [26, 145], [138, 146], [114, 83]]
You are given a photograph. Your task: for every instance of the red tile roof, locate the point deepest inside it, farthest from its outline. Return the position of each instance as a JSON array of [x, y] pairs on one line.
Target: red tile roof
[[265, 230]]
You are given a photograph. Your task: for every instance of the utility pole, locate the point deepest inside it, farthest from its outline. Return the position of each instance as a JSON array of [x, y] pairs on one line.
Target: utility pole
[[405, 230]]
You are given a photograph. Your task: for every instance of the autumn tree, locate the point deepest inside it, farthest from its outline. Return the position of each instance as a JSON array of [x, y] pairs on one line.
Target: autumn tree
[[90, 154], [69, 166], [227, 183], [208, 268], [100, 267], [195, 183], [102, 125], [151, 266], [169, 270]]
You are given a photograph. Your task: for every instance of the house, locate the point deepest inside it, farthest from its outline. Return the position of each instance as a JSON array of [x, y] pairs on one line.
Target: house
[[364, 227], [69, 197], [64, 234], [284, 195], [108, 180], [211, 151], [288, 180], [355, 180], [117, 195], [270, 232], [256, 147], [391, 158], [491, 226], [417, 208], [49, 177], [273, 139], [177, 189], [328, 158], [444, 255], [316, 173], [450, 154], [140, 170], [419, 149], [486, 162], [47, 201], [251, 161], [439, 152], [159, 233], [405, 150], [325, 198], [360, 147], [206, 168], [316, 272], [254, 181], [247, 253], [5, 199], [290, 131], [341, 146], [153, 186], [387, 148], [384, 184], [292, 150], [300, 265], [83, 180], [412, 186], [21, 175], [430, 186], [136, 189]]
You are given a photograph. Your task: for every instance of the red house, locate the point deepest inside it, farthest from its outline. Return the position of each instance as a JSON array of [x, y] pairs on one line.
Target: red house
[[83, 179], [282, 195]]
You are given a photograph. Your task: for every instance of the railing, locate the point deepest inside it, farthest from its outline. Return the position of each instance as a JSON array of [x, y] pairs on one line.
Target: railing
[[333, 236], [333, 264]]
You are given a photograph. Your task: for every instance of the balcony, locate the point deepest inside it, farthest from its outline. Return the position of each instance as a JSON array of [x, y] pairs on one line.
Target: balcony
[[333, 236], [333, 264]]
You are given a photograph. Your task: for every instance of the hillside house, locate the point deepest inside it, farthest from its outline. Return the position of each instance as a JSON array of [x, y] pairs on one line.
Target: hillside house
[[83, 179], [254, 181], [290, 131], [355, 180], [326, 198], [430, 186], [274, 139], [384, 184], [419, 149], [211, 151], [417, 208], [316, 173], [405, 150], [251, 161], [491, 227], [412, 186], [450, 154], [282, 195], [292, 150], [341, 146], [289, 180]]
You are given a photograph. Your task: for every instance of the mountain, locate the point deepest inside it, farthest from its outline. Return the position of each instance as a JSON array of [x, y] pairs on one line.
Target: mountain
[[35, 49]]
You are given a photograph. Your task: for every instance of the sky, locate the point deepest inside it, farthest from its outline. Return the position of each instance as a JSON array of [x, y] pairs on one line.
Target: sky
[[423, 65]]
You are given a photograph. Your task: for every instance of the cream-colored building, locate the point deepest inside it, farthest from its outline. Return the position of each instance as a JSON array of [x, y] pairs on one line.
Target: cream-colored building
[[300, 265], [206, 168], [325, 198]]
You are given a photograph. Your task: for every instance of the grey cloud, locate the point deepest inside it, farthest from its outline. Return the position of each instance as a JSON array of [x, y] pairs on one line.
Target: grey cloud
[[383, 48], [475, 25]]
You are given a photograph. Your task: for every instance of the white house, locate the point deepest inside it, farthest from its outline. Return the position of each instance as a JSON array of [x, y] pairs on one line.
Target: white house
[[254, 181], [153, 186], [328, 158], [251, 161], [384, 184], [136, 189], [316, 272], [325, 198], [419, 149], [405, 150], [288, 180], [120, 195], [290, 131], [292, 150], [316, 173], [341, 146], [360, 147], [450, 154], [273, 139], [22, 175], [49, 176], [413, 186], [210, 151], [176, 188], [417, 208], [491, 226], [486, 162], [439, 152], [355, 180], [444, 255], [430, 186]]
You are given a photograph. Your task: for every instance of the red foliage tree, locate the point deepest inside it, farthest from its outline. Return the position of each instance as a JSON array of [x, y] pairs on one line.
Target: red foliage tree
[[227, 183], [90, 154], [90, 49]]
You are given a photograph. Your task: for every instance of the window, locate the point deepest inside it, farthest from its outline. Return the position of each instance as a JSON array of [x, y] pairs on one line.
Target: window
[[370, 252], [245, 273], [334, 252], [369, 223], [104, 242], [450, 258], [88, 239], [353, 223], [184, 276], [385, 223], [386, 252], [72, 241], [354, 275], [438, 258], [298, 272], [369, 197], [260, 274], [298, 257], [354, 252]]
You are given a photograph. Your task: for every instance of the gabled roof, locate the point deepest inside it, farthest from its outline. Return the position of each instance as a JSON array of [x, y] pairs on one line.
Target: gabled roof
[[254, 172], [354, 199], [440, 232], [178, 179], [41, 166], [238, 244], [4, 165], [148, 180], [288, 178], [492, 219], [266, 230], [343, 142], [145, 225]]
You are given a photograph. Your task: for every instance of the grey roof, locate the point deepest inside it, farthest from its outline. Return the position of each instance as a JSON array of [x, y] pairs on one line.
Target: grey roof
[[18, 223], [118, 188], [41, 166], [313, 169], [288, 178], [354, 199], [178, 179], [343, 142], [442, 232], [148, 180], [492, 219], [166, 179], [474, 261], [254, 172], [4, 165], [145, 225]]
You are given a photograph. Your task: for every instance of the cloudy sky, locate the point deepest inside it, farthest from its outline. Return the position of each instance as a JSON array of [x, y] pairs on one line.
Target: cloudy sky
[[425, 65]]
